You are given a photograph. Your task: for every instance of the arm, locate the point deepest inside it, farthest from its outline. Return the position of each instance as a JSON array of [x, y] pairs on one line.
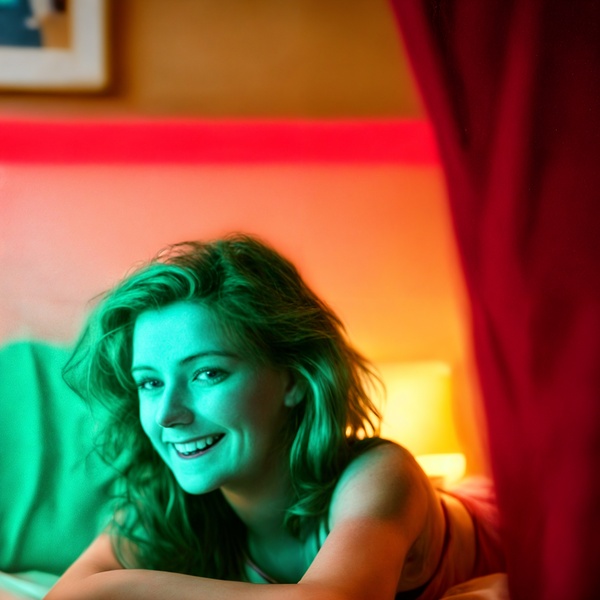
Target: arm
[[97, 575], [376, 515]]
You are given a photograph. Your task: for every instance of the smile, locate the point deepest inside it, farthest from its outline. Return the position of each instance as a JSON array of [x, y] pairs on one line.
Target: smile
[[197, 447]]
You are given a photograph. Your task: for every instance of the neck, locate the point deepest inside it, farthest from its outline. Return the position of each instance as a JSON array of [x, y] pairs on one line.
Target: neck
[[262, 507]]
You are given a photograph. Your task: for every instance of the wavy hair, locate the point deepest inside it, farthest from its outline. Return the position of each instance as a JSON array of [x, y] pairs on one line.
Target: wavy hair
[[273, 318]]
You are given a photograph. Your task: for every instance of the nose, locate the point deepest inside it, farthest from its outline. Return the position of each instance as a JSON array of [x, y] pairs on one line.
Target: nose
[[173, 409]]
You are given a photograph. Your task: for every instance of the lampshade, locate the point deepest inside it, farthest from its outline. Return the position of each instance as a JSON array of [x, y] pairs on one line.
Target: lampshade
[[417, 414]]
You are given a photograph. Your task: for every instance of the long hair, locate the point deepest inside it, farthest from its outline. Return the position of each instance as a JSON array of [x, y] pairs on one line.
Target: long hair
[[273, 318]]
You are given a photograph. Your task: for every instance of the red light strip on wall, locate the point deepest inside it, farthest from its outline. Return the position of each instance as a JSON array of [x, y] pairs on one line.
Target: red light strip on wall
[[194, 141]]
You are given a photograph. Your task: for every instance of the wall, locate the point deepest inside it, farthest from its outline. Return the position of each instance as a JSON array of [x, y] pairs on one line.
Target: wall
[[375, 241], [309, 58]]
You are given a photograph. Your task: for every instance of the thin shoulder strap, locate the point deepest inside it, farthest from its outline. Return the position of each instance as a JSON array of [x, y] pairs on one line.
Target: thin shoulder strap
[[259, 571]]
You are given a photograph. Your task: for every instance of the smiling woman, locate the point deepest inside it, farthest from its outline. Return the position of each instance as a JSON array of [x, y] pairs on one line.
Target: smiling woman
[[216, 419], [241, 418]]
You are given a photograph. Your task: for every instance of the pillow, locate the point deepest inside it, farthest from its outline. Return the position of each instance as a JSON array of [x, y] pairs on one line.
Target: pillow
[[54, 488]]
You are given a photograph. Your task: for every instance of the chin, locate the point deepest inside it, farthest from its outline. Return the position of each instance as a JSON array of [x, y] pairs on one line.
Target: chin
[[195, 488]]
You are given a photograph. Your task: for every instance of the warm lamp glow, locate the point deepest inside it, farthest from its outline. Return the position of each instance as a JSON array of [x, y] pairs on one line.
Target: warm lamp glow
[[417, 414], [443, 469]]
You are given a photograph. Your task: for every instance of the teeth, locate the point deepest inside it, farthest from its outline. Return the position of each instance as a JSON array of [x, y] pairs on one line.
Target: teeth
[[198, 445]]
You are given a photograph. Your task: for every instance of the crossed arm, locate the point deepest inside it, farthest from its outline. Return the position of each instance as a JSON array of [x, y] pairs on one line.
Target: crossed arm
[[376, 516]]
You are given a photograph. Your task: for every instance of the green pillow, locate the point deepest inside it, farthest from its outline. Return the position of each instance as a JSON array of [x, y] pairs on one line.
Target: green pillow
[[54, 489]]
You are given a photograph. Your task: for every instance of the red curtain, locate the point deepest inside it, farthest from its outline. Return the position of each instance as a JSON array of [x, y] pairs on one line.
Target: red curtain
[[513, 90]]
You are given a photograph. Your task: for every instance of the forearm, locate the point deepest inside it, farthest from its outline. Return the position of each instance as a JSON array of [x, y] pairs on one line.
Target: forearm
[[136, 584]]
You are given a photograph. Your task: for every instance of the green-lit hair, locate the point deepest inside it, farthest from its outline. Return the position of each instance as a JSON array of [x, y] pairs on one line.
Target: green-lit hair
[[273, 318]]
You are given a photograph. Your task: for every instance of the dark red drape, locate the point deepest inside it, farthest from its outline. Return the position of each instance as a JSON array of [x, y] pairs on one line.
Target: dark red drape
[[513, 90]]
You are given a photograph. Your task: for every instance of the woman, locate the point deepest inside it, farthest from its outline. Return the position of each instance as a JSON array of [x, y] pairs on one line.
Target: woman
[[241, 420]]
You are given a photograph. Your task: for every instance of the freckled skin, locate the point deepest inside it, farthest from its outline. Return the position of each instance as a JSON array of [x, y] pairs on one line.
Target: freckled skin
[[192, 383]]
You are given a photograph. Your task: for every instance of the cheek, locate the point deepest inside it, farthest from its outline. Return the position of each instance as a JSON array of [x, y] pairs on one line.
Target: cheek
[[241, 417], [146, 417], [261, 416]]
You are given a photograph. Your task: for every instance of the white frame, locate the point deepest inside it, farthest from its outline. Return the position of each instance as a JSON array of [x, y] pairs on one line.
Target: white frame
[[82, 67]]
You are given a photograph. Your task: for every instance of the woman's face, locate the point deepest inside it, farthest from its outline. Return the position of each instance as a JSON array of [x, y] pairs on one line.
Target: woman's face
[[213, 417]]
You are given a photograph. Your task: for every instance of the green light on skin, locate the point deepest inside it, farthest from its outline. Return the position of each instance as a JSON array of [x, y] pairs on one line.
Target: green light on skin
[[214, 417]]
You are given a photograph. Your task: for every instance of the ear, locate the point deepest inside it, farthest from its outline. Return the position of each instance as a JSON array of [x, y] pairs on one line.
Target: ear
[[295, 390]]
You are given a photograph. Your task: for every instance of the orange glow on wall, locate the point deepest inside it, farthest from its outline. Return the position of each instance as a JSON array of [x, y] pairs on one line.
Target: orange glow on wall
[[373, 238], [418, 414]]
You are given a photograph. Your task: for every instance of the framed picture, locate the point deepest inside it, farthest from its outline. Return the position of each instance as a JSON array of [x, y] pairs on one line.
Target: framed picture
[[53, 45]]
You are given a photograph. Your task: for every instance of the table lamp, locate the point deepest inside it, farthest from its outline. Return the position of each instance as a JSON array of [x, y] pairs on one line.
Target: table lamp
[[417, 414]]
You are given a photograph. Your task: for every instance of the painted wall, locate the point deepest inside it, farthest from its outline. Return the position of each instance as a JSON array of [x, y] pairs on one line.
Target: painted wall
[[298, 58], [374, 241]]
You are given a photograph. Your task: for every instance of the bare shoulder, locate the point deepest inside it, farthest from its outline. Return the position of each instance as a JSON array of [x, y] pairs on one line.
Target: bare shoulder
[[383, 482], [379, 511]]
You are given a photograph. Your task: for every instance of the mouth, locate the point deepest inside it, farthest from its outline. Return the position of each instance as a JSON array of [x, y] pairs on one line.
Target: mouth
[[197, 447]]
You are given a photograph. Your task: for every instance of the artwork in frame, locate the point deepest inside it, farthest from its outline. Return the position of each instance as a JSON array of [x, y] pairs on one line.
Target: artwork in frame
[[53, 45]]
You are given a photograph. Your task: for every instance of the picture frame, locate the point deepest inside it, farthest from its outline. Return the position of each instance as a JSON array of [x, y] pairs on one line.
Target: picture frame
[[75, 59]]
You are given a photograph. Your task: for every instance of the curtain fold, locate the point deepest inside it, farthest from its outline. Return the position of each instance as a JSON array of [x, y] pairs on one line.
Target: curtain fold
[[513, 91]]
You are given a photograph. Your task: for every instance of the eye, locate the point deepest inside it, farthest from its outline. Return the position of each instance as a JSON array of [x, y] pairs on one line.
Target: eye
[[148, 385], [210, 375]]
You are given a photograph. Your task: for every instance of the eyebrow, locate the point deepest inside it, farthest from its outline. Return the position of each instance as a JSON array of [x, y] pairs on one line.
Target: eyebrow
[[191, 358]]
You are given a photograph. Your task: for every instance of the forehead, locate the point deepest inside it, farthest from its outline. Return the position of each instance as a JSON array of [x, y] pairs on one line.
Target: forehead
[[178, 328]]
